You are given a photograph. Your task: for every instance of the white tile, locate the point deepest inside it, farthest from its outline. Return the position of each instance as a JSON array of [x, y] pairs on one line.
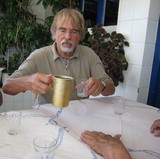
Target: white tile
[[139, 31], [133, 76], [151, 35], [125, 28], [131, 93], [143, 95], [120, 90], [126, 8], [154, 9], [18, 97], [9, 106], [145, 76], [27, 104], [2, 108], [135, 53], [148, 54], [141, 9], [18, 105], [8, 98], [28, 95]]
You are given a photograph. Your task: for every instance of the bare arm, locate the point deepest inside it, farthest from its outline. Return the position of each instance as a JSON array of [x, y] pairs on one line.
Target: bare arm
[[95, 87], [109, 89], [105, 145], [37, 83]]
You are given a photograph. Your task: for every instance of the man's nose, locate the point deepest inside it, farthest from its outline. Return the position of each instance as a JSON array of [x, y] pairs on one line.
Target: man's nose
[[68, 35]]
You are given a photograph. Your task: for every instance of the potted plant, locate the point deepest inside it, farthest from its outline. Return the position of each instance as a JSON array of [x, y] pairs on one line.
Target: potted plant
[[110, 49]]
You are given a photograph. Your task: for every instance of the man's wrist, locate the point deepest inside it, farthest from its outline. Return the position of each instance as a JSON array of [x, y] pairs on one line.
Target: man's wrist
[[104, 85]]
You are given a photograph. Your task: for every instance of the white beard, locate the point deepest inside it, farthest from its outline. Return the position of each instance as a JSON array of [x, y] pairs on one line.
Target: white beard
[[66, 49]]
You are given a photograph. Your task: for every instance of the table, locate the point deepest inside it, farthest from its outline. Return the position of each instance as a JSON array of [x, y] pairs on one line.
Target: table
[[66, 124]]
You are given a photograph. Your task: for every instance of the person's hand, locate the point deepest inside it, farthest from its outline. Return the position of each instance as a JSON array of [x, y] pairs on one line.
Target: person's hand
[[39, 83], [94, 86], [105, 145], [155, 128]]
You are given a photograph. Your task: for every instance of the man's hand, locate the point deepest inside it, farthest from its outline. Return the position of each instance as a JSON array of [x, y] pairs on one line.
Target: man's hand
[[105, 145], [39, 83], [155, 128], [94, 86]]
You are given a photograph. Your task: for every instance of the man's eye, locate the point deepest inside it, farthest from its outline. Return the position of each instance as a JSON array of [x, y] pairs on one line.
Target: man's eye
[[62, 30], [74, 31]]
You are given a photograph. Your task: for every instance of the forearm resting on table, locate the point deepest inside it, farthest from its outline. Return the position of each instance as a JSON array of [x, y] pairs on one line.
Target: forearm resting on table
[[116, 154], [110, 88], [16, 85]]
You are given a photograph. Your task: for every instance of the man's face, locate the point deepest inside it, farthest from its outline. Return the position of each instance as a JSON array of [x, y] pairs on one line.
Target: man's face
[[67, 37]]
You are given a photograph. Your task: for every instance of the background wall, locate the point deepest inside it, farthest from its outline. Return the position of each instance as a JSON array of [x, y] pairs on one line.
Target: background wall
[[138, 21]]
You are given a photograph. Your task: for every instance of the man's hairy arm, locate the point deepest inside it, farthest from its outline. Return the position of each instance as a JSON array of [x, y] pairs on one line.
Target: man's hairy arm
[[37, 83]]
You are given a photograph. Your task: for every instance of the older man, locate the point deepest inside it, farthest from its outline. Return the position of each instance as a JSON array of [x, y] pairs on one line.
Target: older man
[[64, 57]]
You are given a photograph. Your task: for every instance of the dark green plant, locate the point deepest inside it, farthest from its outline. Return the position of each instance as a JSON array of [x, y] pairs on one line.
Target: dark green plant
[[19, 29], [59, 4], [110, 49]]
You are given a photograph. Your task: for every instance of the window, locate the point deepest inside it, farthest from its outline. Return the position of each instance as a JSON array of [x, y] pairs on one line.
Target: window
[[100, 11]]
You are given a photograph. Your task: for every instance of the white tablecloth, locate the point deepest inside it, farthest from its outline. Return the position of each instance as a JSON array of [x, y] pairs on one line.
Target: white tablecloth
[[68, 123]]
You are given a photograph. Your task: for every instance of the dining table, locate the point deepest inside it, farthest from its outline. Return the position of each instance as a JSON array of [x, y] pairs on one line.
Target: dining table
[[66, 124]]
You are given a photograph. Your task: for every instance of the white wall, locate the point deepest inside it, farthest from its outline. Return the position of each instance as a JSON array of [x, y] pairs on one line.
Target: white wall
[[138, 21]]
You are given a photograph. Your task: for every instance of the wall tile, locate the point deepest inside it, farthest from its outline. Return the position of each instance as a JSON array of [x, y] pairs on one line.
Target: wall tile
[[125, 28], [28, 95], [9, 106], [133, 75], [18, 105], [139, 31], [135, 53], [27, 104], [126, 8], [141, 9], [18, 97], [8, 98], [131, 93]]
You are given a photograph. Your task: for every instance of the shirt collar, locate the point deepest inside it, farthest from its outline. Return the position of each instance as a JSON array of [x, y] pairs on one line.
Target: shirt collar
[[56, 56]]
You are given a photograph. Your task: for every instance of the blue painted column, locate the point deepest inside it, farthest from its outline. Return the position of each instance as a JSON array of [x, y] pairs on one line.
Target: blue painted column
[[101, 11]]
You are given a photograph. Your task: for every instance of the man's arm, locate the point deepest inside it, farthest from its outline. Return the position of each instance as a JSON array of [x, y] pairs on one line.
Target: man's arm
[[108, 88], [105, 145], [37, 83], [95, 87]]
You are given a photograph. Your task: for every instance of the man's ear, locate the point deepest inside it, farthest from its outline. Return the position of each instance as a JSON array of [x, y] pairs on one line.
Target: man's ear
[[53, 37]]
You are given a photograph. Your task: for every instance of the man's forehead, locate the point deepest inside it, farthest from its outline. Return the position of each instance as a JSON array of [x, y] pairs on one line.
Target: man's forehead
[[63, 22]]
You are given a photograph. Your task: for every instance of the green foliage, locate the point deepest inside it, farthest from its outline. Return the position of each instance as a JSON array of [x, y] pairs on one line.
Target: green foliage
[[110, 49], [59, 4], [19, 29]]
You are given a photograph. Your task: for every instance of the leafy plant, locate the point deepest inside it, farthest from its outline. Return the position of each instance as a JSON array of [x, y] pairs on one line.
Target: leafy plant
[[19, 30], [110, 49], [59, 4]]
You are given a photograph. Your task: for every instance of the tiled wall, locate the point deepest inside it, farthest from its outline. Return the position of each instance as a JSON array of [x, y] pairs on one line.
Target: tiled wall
[[138, 21], [17, 102]]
